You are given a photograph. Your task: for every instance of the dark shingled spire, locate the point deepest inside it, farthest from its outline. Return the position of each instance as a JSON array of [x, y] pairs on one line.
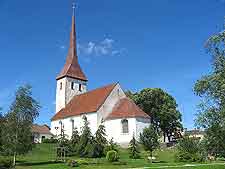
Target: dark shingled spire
[[72, 68]]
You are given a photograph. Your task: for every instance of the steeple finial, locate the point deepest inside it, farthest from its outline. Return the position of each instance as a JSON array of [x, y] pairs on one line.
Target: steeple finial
[[73, 8]]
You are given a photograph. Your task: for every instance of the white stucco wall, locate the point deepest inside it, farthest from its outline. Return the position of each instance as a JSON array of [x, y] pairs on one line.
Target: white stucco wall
[[116, 94], [64, 95], [135, 125], [78, 122], [37, 138], [141, 123], [114, 130]]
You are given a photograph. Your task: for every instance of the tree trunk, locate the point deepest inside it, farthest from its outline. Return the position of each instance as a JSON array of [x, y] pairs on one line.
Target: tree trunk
[[151, 156], [164, 137], [14, 159]]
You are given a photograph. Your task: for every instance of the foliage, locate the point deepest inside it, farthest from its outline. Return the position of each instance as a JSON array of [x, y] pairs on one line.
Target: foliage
[[134, 149], [162, 108], [72, 163], [74, 141], [149, 139], [6, 162], [86, 145], [189, 150], [101, 141], [1, 130], [112, 156], [111, 146], [18, 123], [211, 88], [50, 141]]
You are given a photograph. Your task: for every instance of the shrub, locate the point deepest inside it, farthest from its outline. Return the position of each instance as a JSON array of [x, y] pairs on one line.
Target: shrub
[[50, 141], [82, 162], [189, 150], [112, 156], [6, 162], [111, 146], [72, 163]]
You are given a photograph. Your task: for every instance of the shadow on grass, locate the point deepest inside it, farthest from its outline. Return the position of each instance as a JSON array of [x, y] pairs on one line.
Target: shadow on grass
[[25, 163]]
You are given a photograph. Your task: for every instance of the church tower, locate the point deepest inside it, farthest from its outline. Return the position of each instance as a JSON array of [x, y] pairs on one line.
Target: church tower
[[71, 81]]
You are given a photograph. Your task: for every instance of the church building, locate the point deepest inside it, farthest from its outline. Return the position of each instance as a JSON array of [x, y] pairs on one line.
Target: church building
[[120, 115]]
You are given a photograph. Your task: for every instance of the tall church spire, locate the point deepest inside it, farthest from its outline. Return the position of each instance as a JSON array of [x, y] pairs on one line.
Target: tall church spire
[[72, 68]]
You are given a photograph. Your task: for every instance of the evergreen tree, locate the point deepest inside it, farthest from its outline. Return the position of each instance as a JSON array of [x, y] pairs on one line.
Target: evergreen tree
[[101, 141], [149, 139], [134, 149], [74, 141], [86, 139], [18, 123]]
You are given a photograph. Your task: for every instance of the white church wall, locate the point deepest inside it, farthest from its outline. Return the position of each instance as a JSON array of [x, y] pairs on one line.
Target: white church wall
[[141, 123], [78, 122], [114, 130], [116, 94]]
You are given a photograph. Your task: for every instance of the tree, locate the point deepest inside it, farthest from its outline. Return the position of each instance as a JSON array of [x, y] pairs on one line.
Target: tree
[[162, 108], [211, 88], [18, 123], [149, 139], [1, 128], [101, 141], [134, 149], [75, 139], [86, 139], [189, 150]]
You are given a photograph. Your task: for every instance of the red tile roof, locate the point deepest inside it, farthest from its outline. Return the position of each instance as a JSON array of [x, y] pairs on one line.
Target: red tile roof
[[126, 108], [85, 103], [72, 68], [41, 129]]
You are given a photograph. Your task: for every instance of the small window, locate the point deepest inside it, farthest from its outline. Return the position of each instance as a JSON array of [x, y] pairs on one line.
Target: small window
[[42, 138], [72, 124], [60, 85], [72, 85], [80, 87], [125, 128]]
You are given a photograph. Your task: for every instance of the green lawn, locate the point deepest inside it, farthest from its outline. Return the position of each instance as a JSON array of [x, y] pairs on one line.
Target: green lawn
[[43, 156]]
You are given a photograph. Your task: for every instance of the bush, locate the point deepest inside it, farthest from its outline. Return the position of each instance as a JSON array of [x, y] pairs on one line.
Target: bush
[[112, 156], [6, 162], [82, 162], [50, 141], [190, 150], [72, 163]]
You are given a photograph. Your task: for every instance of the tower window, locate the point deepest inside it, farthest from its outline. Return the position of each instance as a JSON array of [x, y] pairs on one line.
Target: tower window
[[72, 85], [125, 128], [60, 85], [80, 87]]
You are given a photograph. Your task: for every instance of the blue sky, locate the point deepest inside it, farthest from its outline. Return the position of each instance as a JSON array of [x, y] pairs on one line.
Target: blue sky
[[148, 43]]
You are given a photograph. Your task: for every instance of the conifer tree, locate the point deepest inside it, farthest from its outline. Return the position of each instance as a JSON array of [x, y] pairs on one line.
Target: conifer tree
[[134, 149], [101, 141], [74, 141], [86, 139]]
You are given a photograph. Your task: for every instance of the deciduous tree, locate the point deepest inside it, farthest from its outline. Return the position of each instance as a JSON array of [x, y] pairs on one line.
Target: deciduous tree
[[211, 88], [149, 139], [162, 108], [18, 123]]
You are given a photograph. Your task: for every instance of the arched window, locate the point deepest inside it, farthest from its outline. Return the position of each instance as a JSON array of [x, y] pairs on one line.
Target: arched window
[[125, 128]]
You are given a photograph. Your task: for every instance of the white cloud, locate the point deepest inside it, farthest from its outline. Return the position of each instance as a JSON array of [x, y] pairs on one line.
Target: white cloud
[[105, 47]]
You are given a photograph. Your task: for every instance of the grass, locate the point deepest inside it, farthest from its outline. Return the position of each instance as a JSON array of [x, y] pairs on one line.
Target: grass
[[43, 156]]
